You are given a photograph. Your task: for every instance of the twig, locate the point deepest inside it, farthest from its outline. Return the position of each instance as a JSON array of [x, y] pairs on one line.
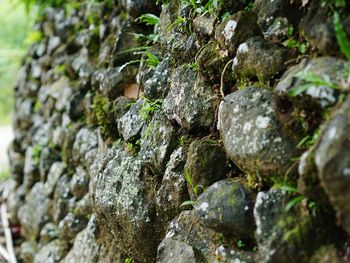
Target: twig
[[8, 235], [4, 253], [222, 79]]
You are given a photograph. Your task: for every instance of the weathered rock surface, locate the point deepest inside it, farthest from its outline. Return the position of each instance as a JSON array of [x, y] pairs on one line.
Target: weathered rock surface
[[118, 132], [253, 134]]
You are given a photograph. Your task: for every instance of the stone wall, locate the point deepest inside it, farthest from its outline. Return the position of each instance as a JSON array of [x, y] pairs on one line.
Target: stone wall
[[217, 133]]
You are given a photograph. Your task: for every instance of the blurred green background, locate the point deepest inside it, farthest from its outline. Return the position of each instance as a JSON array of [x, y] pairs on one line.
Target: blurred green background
[[15, 25]]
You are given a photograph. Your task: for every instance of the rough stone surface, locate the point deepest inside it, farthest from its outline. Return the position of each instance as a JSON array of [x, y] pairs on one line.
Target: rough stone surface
[[253, 134], [118, 133], [190, 102], [227, 206]]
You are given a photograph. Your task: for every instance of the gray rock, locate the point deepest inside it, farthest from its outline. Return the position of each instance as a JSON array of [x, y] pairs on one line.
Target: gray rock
[[173, 189], [71, 225], [174, 251], [236, 29], [259, 58], [31, 222], [120, 197], [28, 250], [253, 134], [318, 29], [204, 25], [79, 184], [157, 85], [53, 252], [211, 61], [285, 234], [113, 81], [48, 156], [157, 141], [190, 102], [333, 162], [206, 164], [93, 246], [227, 207], [56, 170], [31, 166], [328, 68], [130, 125], [48, 233], [85, 147], [187, 237], [274, 17], [61, 199]]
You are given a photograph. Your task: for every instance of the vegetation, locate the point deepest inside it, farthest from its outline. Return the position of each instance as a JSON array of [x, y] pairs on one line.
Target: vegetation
[[15, 25]]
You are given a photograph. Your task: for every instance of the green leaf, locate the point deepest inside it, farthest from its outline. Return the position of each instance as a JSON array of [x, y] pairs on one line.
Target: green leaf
[[295, 91], [294, 201], [303, 141], [340, 33], [188, 202], [149, 19]]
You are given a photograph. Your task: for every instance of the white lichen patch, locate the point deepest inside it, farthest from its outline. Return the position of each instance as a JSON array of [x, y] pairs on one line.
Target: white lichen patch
[[243, 48], [262, 122], [204, 206], [247, 127], [346, 171], [229, 30]]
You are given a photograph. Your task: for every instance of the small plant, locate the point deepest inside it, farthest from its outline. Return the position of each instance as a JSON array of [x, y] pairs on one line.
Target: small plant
[[312, 80], [149, 107], [128, 260], [149, 19], [240, 243], [292, 43], [342, 38], [195, 188]]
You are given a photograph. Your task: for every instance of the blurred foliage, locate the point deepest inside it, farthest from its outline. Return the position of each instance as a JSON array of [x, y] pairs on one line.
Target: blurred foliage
[[15, 25]]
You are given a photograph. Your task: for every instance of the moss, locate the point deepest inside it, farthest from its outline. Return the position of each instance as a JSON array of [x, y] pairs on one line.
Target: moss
[[255, 181], [103, 116]]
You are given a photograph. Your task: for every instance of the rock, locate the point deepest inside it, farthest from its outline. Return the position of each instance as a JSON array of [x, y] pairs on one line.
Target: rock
[[71, 225], [56, 170], [31, 166], [204, 25], [120, 106], [61, 199], [173, 190], [187, 237], [283, 234], [48, 156], [48, 233], [227, 207], [85, 147], [131, 124], [206, 164], [138, 7], [157, 142], [328, 68], [211, 61], [157, 85], [27, 251], [113, 81], [274, 17], [253, 133], [236, 29], [174, 251], [190, 102], [33, 222], [225, 254], [333, 162], [259, 58], [89, 247], [16, 163], [79, 184], [318, 29], [53, 252], [121, 198]]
